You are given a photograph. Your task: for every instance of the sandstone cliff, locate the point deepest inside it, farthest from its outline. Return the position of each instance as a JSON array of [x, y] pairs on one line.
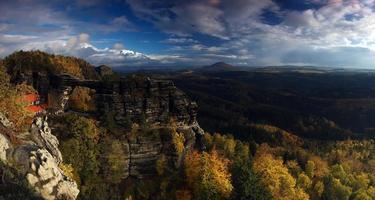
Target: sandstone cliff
[[157, 101]]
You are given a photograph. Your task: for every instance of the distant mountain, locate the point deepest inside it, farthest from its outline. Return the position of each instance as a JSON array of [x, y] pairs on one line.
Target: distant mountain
[[220, 66], [104, 70]]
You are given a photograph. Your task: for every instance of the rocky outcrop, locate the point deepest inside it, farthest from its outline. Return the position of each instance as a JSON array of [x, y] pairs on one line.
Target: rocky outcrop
[[4, 146], [41, 133], [38, 158], [4, 142]]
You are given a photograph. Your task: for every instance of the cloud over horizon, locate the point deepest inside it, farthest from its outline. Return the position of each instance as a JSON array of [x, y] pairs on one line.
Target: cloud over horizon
[[336, 33]]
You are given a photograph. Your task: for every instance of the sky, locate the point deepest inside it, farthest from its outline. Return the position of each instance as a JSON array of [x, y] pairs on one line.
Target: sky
[[122, 33]]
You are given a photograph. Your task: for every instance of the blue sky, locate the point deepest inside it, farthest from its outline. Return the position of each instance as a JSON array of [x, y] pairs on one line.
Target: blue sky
[[121, 33]]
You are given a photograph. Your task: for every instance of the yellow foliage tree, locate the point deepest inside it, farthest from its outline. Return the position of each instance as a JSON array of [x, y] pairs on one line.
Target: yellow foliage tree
[[277, 178], [67, 65], [68, 171], [208, 175], [161, 164], [178, 139]]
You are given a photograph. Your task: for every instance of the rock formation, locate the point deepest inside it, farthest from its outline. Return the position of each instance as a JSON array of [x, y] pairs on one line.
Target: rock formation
[[38, 158]]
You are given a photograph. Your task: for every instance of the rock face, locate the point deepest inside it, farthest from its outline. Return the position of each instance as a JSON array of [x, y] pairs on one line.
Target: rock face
[[142, 152], [142, 157], [155, 100], [38, 158]]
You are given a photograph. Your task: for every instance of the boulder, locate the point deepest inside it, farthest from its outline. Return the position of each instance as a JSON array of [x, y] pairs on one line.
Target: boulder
[[44, 175], [4, 121], [4, 146]]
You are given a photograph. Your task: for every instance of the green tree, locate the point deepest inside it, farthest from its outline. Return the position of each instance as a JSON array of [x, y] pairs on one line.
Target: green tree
[[79, 147], [310, 169], [116, 164], [361, 195], [318, 190], [304, 182], [335, 190], [247, 184]]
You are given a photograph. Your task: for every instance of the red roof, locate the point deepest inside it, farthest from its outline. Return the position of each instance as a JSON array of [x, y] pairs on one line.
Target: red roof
[[44, 106], [35, 109], [30, 98]]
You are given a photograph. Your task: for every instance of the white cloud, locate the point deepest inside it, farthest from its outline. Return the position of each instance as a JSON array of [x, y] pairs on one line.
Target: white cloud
[[118, 46], [84, 38], [179, 41]]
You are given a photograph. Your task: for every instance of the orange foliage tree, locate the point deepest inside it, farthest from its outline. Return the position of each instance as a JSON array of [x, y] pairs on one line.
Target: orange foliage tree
[[82, 99], [10, 105]]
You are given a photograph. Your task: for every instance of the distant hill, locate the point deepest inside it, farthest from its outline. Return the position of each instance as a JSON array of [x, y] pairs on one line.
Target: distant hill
[[294, 69], [220, 66]]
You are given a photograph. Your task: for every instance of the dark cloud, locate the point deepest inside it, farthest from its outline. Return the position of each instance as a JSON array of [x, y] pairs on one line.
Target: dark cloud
[[218, 18]]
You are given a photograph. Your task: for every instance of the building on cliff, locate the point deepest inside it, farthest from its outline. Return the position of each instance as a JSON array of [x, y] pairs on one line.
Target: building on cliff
[[33, 103]]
